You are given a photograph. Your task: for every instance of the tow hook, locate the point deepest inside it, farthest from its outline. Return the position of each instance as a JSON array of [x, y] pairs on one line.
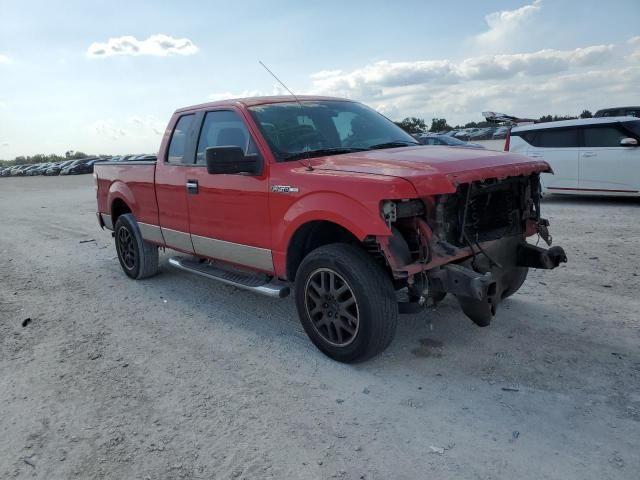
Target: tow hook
[[477, 293], [535, 257], [462, 281]]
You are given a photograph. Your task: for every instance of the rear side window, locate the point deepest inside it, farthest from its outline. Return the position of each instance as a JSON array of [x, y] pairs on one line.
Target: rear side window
[[224, 128], [179, 139], [633, 127], [552, 138], [608, 136]]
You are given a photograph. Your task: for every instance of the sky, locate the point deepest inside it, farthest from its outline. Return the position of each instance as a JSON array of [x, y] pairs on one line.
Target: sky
[[105, 76]]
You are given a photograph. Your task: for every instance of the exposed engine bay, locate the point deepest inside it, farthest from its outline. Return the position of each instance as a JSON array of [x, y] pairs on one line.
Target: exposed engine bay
[[471, 243]]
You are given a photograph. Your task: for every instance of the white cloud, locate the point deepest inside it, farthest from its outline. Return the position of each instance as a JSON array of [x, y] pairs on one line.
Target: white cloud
[[156, 45], [4, 59], [106, 128], [506, 25], [546, 81], [214, 97], [372, 80], [148, 122], [277, 90]]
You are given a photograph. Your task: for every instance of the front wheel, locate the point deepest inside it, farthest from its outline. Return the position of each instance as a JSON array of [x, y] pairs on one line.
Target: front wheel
[[138, 258], [346, 303]]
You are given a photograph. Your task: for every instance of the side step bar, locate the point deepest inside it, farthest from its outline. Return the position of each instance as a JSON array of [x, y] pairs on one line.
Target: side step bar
[[259, 283]]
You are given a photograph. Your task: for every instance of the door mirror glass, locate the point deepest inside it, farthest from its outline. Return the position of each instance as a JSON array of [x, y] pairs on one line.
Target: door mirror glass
[[231, 160], [629, 142]]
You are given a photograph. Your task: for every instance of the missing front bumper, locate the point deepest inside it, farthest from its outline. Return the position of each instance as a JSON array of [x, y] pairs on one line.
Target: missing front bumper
[[480, 292]]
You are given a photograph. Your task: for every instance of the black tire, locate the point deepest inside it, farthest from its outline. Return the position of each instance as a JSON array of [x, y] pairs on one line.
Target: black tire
[[515, 280], [138, 259], [376, 307]]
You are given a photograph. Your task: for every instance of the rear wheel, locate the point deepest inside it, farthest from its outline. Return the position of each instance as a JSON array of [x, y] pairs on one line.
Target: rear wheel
[[346, 303], [138, 258]]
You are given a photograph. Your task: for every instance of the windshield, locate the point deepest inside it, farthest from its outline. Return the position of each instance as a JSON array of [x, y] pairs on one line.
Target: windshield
[[315, 128]]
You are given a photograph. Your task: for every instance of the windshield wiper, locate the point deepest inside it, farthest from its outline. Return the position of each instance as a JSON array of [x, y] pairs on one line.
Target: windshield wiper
[[393, 144], [323, 151]]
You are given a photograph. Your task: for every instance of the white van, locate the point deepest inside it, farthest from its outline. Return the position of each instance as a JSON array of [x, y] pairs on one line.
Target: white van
[[591, 156]]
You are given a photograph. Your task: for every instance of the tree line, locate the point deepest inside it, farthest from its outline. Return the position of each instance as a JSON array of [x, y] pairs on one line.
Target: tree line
[[414, 125]]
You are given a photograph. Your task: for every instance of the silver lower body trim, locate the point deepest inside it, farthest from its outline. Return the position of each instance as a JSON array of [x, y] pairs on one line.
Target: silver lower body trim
[[255, 257], [151, 233], [177, 239]]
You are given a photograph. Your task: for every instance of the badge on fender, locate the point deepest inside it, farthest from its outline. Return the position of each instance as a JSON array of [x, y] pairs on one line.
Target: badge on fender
[[284, 189]]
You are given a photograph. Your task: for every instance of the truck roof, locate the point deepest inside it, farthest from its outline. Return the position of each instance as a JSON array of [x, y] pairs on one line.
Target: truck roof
[[252, 101]]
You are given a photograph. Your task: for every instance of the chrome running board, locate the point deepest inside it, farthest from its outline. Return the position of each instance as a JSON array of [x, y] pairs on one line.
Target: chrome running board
[[255, 282]]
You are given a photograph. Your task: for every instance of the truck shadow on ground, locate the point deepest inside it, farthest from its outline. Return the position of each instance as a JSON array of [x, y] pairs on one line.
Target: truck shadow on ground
[[523, 335]]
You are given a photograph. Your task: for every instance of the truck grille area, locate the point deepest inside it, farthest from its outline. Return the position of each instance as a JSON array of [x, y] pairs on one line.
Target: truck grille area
[[489, 210]]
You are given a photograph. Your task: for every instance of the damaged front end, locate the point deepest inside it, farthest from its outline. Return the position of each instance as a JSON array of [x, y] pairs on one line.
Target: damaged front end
[[471, 243]]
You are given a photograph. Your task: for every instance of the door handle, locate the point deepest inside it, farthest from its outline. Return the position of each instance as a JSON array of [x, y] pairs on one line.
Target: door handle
[[535, 155], [588, 154], [192, 186]]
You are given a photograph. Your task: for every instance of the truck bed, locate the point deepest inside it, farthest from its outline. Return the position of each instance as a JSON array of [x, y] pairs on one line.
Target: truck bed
[[134, 181]]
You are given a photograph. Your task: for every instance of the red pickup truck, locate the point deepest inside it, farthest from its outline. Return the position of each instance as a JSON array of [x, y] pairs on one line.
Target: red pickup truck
[[330, 198]]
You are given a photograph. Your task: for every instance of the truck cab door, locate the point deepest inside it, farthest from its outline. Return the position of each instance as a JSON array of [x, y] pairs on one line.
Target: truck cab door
[[605, 165], [170, 184], [229, 214]]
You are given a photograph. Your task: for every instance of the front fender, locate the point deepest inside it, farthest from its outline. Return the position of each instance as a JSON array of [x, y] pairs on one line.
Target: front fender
[[359, 219], [337, 208]]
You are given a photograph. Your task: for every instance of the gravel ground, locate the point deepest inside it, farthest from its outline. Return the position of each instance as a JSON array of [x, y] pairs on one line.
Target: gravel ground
[[180, 377]]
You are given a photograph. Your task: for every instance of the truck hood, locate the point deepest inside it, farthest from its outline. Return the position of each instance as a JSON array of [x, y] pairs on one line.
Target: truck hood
[[433, 170]]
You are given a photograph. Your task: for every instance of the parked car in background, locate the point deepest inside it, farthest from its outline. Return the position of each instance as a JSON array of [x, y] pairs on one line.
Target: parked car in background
[[38, 169], [618, 112], [20, 170], [83, 167], [466, 133], [75, 166], [32, 168], [144, 157], [482, 134], [55, 168], [445, 140], [592, 156], [500, 133]]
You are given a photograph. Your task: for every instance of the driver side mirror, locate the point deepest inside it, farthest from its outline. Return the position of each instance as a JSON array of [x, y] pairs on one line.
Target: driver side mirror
[[232, 160], [629, 142]]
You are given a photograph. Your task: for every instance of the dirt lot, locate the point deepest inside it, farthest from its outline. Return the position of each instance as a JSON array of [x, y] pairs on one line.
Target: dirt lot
[[180, 377]]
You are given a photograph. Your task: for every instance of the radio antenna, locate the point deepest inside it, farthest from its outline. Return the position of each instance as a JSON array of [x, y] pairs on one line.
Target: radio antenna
[[308, 165], [280, 82]]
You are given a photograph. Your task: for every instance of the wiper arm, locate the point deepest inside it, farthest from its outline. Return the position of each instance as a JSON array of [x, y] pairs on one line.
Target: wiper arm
[[323, 151], [395, 143]]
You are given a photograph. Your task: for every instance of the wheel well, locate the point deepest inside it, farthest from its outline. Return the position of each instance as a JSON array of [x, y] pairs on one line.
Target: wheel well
[[311, 236], [118, 208]]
